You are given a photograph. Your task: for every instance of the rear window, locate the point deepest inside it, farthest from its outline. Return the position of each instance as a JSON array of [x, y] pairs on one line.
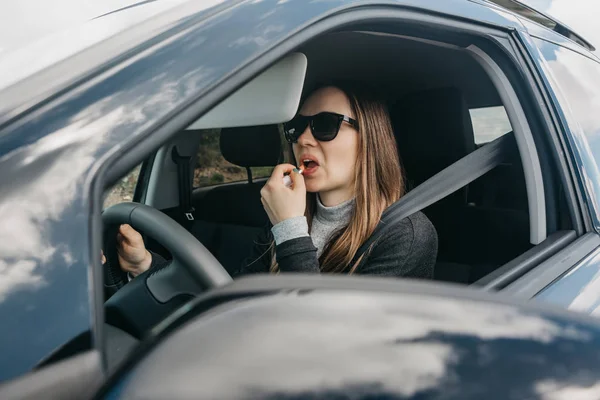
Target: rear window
[[489, 123], [213, 169]]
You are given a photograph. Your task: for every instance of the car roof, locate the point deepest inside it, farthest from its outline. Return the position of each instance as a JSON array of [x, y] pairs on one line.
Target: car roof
[[70, 28], [48, 65], [532, 13], [52, 45], [40, 47], [90, 22]]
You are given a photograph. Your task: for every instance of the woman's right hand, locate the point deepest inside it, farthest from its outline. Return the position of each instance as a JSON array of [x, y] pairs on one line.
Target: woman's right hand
[[132, 253], [281, 202]]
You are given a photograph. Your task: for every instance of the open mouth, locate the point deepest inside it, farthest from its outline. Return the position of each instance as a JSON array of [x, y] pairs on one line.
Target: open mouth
[[309, 164]]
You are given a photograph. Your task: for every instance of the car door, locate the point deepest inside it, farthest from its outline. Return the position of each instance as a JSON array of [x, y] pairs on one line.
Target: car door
[[570, 77]]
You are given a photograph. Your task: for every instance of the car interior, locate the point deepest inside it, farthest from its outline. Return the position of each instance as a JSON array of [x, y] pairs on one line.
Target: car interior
[[430, 91], [494, 217]]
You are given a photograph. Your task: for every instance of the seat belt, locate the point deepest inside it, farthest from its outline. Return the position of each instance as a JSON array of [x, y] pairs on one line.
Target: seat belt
[[442, 184], [184, 183]]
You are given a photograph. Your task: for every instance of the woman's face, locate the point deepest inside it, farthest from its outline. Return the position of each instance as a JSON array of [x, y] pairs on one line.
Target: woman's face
[[332, 174]]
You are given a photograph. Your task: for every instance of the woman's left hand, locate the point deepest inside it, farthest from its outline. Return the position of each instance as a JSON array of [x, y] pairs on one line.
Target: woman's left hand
[[282, 202]]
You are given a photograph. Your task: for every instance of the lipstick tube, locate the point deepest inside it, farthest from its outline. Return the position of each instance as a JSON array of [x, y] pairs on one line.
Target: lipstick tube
[[287, 181]]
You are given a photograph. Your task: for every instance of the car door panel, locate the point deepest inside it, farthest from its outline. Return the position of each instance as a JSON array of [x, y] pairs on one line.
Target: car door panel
[[554, 268], [75, 378], [579, 288]]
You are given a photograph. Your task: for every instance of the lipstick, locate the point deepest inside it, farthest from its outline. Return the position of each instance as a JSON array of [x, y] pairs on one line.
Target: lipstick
[[287, 181]]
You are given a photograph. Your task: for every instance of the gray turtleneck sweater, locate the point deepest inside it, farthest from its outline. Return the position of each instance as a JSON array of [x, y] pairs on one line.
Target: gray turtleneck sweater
[[325, 222]]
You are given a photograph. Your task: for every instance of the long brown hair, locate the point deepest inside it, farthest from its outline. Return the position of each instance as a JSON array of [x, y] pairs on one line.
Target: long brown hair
[[378, 182]]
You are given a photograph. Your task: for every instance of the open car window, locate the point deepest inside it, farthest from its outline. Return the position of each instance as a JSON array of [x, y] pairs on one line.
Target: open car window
[[481, 227]]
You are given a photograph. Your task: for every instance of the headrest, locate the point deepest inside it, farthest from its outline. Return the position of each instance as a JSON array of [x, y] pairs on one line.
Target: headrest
[[252, 146], [433, 129]]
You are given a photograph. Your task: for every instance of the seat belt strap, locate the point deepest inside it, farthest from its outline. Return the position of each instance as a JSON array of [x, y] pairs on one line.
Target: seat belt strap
[[442, 184], [184, 183]]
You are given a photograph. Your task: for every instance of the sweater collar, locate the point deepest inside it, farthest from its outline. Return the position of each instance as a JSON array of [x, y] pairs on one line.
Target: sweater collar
[[339, 214]]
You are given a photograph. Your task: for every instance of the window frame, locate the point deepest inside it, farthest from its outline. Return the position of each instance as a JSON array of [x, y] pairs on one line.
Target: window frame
[[141, 187], [566, 278], [520, 101], [506, 46], [515, 275], [558, 149]]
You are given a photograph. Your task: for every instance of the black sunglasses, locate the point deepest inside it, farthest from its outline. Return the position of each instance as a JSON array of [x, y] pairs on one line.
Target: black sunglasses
[[324, 126]]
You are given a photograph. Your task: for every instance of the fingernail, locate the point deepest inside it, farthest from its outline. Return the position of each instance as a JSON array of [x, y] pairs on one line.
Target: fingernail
[[296, 170]]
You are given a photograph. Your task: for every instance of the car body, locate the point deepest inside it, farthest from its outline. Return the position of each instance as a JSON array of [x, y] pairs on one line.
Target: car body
[[322, 339], [72, 127]]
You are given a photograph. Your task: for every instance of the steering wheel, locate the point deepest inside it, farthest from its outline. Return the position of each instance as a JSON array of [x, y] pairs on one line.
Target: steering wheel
[[141, 303]]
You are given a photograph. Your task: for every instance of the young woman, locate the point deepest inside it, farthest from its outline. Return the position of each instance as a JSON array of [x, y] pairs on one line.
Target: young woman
[[347, 173]]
